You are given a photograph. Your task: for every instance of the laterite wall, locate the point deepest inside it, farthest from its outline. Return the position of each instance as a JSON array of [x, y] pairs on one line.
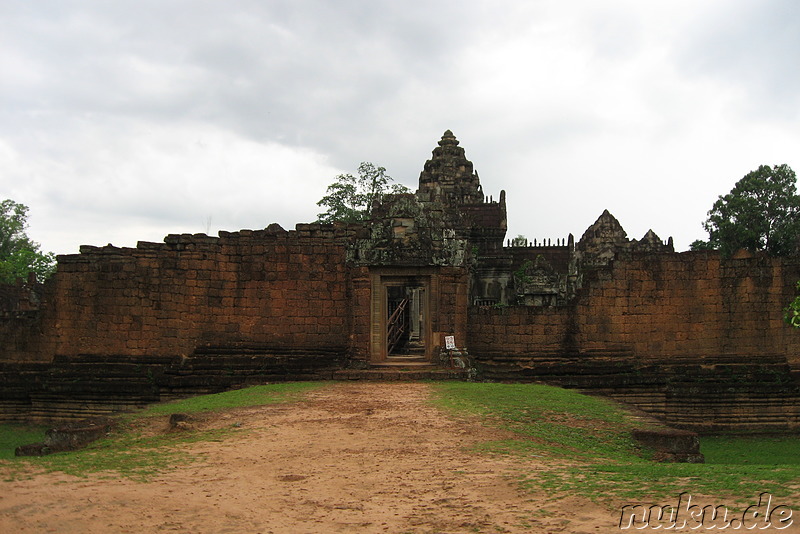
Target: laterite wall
[[657, 307], [283, 290], [690, 337], [691, 304]]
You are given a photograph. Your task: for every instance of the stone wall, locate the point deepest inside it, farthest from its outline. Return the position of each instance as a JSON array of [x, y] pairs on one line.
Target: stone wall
[[453, 304], [86, 386], [269, 288], [22, 326], [692, 304], [117, 328], [691, 337], [24, 339], [658, 307], [519, 330]]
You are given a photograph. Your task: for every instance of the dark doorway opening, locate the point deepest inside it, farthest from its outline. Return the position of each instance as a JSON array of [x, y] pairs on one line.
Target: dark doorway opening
[[402, 314], [405, 321]]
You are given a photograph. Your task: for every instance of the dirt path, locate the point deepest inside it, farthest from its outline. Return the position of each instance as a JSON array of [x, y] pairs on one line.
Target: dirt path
[[354, 457]]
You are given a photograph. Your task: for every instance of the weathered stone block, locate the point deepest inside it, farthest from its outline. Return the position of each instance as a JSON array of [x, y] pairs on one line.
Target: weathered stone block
[[67, 438], [671, 445]]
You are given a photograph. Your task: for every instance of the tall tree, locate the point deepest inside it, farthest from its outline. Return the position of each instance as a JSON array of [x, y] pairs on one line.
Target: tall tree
[[762, 212], [792, 312], [18, 254], [349, 198]]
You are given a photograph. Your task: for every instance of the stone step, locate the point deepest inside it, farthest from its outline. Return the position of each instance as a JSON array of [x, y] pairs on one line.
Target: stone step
[[405, 360], [408, 351], [389, 374], [405, 365]]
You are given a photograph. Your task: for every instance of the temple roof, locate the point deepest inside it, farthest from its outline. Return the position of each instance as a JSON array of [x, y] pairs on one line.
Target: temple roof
[[450, 175]]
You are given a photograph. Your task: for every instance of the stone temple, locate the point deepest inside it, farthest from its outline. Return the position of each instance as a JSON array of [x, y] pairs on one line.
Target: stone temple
[[429, 287]]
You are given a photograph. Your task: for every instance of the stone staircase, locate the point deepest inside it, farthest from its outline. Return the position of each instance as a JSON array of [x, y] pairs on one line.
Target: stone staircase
[[406, 362], [409, 349], [407, 366]]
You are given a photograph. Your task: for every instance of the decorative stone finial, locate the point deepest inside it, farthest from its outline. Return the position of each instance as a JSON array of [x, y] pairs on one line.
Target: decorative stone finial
[[448, 139]]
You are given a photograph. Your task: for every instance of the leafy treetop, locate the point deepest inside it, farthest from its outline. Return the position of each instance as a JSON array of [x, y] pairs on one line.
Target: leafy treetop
[[350, 198], [18, 254], [762, 212], [519, 241], [792, 312]]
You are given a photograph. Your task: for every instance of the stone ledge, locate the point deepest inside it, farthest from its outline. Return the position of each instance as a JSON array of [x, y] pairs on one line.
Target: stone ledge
[[671, 445], [67, 438]]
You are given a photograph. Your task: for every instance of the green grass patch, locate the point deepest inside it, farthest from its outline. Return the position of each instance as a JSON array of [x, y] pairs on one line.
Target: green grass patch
[[127, 453], [751, 450], [557, 421], [641, 480], [12, 436], [237, 398], [582, 445], [133, 452]]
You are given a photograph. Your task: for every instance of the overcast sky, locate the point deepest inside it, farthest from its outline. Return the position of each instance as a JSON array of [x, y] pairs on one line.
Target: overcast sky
[[129, 120]]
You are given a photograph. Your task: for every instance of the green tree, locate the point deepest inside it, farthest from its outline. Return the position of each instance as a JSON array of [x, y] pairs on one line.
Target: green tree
[[350, 198], [519, 241], [18, 254], [762, 212], [792, 312], [699, 244]]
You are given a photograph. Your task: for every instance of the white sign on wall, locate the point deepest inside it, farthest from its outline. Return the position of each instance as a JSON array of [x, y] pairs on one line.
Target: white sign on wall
[[450, 342]]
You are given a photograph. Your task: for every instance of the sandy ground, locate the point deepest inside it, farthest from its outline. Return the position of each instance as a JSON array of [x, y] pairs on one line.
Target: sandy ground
[[353, 457]]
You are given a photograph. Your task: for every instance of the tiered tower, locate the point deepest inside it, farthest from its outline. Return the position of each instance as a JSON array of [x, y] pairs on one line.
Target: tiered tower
[[449, 176]]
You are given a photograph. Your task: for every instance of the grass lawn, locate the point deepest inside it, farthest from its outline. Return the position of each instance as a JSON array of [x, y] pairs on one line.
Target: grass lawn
[[592, 454], [12, 436], [236, 398], [133, 452]]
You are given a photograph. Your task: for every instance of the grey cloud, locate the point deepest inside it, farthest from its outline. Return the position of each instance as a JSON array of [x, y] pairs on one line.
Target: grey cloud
[[284, 69], [87, 83], [752, 46]]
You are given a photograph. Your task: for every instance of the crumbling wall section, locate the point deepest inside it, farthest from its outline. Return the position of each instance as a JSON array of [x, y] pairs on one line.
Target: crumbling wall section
[[23, 321], [270, 288]]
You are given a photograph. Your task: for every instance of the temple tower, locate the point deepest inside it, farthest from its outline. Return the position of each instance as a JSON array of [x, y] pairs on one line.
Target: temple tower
[[449, 176]]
